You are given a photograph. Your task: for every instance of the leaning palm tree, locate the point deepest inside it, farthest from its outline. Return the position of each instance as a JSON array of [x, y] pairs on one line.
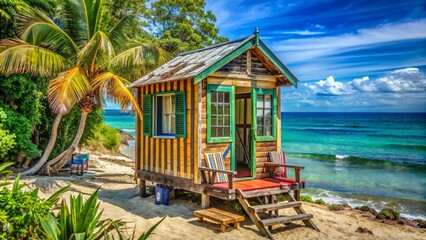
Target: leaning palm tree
[[86, 64]]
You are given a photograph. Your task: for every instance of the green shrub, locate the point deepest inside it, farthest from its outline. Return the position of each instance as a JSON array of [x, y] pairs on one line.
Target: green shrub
[[420, 223], [363, 208], [7, 140], [281, 198], [320, 202], [21, 209], [388, 213], [104, 136], [335, 207], [306, 198]]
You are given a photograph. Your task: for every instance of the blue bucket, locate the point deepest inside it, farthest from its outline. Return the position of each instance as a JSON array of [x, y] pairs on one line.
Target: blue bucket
[[161, 194]]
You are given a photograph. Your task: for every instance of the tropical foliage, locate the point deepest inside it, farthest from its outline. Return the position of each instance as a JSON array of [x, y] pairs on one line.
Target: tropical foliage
[[81, 219], [20, 210], [7, 140], [78, 220], [90, 55], [84, 61], [104, 137], [24, 215], [183, 25]]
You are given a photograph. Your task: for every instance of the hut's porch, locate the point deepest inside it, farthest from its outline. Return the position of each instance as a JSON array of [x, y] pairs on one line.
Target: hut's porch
[[246, 188], [264, 215]]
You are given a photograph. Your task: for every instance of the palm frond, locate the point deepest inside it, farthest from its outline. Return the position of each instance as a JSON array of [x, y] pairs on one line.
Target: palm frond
[[115, 88], [118, 36], [17, 56], [94, 12], [4, 14], [67, 89], [145, 57], [38, 29], [82, 18], [75, 20], [97, 54]]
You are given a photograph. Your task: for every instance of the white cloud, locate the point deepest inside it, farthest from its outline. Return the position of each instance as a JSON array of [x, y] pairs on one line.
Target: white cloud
[[329, 87], [399, 90], [402, 80]]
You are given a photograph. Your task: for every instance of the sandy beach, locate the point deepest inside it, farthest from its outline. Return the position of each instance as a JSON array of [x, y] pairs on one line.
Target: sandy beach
[[119, 199]]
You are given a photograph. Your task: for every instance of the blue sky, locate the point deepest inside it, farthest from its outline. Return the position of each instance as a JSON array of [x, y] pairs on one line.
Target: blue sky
[[348, 55]]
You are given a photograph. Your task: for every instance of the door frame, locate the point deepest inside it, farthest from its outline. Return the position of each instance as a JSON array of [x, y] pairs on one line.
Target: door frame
[[254, 137], [252, 163]]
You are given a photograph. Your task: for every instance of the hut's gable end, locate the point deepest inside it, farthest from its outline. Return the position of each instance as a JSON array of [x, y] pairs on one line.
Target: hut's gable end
[[238, 65], [257, 67], [246, 63]]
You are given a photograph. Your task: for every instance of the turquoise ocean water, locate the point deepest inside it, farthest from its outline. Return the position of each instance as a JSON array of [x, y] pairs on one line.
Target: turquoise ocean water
[[375, 159]]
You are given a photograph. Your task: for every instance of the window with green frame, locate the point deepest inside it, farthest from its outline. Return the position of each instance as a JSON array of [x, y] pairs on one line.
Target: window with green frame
[[265, 118], [164, 114], [220, 120]]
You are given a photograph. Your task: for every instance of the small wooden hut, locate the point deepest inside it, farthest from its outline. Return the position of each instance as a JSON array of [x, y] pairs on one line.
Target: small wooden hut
[[224, 98]]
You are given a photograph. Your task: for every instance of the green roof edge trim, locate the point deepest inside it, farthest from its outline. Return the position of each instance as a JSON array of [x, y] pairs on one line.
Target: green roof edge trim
[[247, 44], [290, 76]]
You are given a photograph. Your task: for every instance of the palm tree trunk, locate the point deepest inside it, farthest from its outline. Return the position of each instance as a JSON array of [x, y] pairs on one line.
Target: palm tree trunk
[[48, 149], [57, 163]]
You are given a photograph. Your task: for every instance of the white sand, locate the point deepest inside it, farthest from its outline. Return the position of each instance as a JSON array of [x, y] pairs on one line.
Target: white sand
[[119, 199]]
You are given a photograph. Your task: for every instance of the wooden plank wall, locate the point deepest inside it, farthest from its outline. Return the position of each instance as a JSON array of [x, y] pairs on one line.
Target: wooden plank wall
[[262, 150], [210, 147], [178, 156]]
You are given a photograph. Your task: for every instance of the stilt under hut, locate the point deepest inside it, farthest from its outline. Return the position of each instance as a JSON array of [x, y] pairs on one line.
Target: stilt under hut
[[211, 125]]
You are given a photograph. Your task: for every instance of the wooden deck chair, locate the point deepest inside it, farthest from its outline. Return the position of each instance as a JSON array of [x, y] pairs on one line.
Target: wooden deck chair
[[279, 157], [278, 168], [215, 171]]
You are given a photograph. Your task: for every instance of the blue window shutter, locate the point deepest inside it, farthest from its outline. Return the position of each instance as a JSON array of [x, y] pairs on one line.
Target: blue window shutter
[[147, 115], [180, 113]]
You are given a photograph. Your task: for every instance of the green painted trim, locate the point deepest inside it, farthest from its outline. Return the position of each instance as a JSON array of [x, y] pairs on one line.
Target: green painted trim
[[147, 115], [233, 129], [164, 93], [274, 113], [277, 62], [222, 62], [231, 90], [243, 179], [180, 112], [253, 132]]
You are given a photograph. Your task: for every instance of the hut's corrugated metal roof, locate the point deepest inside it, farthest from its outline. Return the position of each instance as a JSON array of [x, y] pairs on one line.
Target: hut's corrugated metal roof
[[190, 64]]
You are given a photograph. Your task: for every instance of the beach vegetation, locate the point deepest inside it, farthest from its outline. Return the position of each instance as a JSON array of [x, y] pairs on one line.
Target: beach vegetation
[[306, 198], [7, 140], [23, 99], [420, 223], [104, 137], [20, 209], [335, 207], [320, 202], [81, 219], [388, 213], [363, 208], [84, 61]]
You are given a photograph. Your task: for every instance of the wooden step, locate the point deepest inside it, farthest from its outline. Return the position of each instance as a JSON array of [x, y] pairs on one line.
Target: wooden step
[[286, 219], [274, 206]]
